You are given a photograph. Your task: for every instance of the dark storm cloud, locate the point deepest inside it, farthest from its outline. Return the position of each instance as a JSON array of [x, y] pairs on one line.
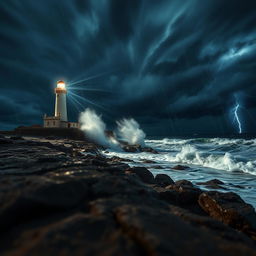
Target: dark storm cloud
[[160, 60]]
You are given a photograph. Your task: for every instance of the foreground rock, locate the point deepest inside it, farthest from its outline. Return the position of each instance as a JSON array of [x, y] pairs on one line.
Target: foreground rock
[[56, 200], [230, 209]]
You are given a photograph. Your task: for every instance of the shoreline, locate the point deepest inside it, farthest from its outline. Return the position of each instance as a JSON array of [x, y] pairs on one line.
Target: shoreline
[[61, 196]]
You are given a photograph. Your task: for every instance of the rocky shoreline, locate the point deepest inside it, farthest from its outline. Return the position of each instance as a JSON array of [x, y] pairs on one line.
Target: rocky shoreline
[[62, 197]]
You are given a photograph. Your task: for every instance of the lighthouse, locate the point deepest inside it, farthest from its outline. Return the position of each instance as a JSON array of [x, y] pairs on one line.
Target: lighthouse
[[60, 118], [61, 102]]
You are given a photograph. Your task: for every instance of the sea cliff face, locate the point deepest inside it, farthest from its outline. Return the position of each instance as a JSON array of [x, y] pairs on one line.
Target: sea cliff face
[[62, 197]]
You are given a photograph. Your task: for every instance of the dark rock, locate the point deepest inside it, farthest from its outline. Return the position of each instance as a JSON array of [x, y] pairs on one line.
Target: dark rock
[[152, 229], [163, 180], [16, 138], [186, 194], [138, 148], [180, 167], [147, 161], [230, 209], [143, 173], [156, 167], [126, 185], [149, 150], [38, 197], [209, 223], [64, 198], [211, 182], [131, 148], [214, 184], [184, 183], [115, 159], [78, 234], [5, 141]]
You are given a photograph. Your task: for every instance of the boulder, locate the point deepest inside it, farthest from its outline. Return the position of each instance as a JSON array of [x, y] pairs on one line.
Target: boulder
[[143, 173], [214, 184], [230, 209], [180, 167], [163, 180], [184, 183]]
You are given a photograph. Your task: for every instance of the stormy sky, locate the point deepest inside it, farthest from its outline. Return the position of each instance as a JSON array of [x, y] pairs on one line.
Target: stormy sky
[[177, 67]]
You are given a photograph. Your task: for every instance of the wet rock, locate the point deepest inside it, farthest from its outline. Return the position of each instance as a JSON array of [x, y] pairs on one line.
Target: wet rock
[[230, 209], [149, 150], [64, 198], [16, 138], [143, 173], [138, 148], [184, 183], [114, 185], [5, 141], [78, 234], [184, 196], [211, 224], [147, 161], [163, 180], [152, 229], [214, 184], [180, 167], [156, 167], [131, 148], [37, 197], [115, 159]]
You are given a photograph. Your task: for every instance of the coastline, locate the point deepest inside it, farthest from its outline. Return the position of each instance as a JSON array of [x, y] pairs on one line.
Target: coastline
[[62, 197]]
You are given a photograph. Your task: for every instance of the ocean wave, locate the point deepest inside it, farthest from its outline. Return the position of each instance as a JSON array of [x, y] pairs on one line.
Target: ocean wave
[[225, 161]]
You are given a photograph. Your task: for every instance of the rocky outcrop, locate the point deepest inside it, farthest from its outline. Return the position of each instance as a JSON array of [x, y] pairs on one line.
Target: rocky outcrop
[[62, 197], [230, 209]]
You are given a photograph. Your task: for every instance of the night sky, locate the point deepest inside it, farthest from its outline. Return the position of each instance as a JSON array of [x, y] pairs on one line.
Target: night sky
[[177, 67]]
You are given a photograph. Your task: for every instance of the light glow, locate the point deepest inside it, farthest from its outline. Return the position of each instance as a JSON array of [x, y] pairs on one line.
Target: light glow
[[61, 85]]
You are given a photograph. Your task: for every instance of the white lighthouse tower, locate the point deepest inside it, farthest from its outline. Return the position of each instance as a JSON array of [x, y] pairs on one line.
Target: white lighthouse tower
[[60, 118], [61, 102]]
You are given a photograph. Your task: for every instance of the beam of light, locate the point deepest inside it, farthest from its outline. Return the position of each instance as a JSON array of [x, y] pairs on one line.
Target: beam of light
[[88, 89], [88, 78], [237, 117], [86, 100], [77, 103]]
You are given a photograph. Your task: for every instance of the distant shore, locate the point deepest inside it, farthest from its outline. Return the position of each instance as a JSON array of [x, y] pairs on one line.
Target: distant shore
[[63, 197]]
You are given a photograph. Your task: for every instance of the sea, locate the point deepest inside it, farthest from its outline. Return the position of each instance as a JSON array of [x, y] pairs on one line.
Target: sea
[[231, 160]]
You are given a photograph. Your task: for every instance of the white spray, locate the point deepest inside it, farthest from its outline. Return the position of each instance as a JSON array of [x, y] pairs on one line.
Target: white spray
[[129, 131], [95, 128]]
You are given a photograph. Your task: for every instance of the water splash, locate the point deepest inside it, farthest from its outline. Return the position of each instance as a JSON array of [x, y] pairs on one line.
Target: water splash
[[129, 131]]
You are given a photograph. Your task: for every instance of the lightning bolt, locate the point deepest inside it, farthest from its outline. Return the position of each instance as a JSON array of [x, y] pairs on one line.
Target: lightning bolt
[[237, 117]]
